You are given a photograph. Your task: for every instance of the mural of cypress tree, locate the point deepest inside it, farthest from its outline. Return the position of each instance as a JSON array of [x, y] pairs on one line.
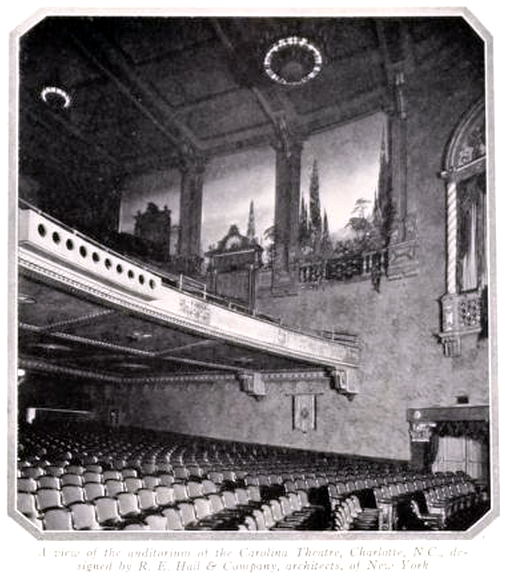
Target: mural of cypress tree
[[326, 246], [251, 225], [304, 233], [384, 201], [315, 208]]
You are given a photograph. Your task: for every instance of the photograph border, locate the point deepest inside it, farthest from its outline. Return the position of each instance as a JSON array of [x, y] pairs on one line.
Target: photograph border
[[12, 292]]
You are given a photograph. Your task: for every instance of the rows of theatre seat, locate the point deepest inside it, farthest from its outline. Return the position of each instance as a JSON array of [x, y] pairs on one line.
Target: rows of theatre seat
[[78, 478], [412, 501]]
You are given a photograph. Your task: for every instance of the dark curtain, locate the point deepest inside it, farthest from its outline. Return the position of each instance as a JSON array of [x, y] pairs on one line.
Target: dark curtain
[[476, 430]]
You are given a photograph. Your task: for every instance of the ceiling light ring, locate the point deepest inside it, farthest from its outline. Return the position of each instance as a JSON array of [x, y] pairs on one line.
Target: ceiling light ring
[[52, 91], [290, 43]]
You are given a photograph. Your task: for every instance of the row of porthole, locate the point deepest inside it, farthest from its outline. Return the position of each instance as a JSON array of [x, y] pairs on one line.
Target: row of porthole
[[83, 251]]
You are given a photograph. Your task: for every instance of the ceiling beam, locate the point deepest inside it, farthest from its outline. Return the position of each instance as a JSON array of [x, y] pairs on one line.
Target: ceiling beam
[[113, 63], [199, 363], [274, 117], [358, 106], [199, 343], [76, 321]]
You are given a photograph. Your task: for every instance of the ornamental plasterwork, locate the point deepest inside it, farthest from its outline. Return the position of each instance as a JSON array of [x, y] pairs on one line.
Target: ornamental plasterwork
[[421, 432]]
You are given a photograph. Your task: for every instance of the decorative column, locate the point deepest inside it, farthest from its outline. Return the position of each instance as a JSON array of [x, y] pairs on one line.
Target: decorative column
[[452, 234], [190, 218], [403, 239], [287, 208], [450, 338], [420, 432]]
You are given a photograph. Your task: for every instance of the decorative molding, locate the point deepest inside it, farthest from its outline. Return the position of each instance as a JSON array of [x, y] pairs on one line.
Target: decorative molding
[[30, 327], [46, 367], [449, 413], [103, 344], [182, 378], [451, 344], [308, 375], [77, 320], [468, 144], [340, 381], [197, 310], [252, 383], [82, 256], [267, 377]]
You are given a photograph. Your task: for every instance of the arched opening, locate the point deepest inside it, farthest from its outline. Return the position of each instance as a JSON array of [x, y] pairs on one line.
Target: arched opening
[[464, 305]]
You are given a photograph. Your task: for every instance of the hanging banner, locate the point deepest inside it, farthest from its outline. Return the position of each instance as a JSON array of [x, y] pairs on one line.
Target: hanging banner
[[304, 412]]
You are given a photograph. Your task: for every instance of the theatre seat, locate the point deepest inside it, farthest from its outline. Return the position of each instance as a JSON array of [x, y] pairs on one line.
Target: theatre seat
[[47, 498], [156, 522], [84, 517], [71, 495], [174, 519], [107, 512], [26, 505], [27, 485], [58, 519]]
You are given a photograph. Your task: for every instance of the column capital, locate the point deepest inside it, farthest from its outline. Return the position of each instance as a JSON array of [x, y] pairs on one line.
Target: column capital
[[421, 432], [194, 163], [287, 139]]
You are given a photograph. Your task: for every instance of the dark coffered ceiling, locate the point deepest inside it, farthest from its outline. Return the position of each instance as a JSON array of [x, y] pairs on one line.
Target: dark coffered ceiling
[[148, 91]]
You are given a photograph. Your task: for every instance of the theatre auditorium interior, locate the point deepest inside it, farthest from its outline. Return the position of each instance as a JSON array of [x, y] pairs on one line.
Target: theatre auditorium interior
[[252, 271]]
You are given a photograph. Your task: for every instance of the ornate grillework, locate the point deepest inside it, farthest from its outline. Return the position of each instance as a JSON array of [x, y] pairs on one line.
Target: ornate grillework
[[462, 315], [470, 311]]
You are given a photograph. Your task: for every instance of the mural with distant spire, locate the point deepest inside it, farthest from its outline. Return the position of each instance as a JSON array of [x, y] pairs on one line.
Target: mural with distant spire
[[367, 228], [365, 231]]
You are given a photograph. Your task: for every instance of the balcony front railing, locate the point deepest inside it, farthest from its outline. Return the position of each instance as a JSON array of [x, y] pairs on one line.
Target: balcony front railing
[[366, 265]]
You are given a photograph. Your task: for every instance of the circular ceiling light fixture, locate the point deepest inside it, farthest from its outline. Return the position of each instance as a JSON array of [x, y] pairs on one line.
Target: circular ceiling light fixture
[[55, 97], [293, 61]]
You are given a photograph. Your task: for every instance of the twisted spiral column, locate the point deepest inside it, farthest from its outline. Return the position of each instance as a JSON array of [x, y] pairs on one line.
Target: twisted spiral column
[[452, 234]]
